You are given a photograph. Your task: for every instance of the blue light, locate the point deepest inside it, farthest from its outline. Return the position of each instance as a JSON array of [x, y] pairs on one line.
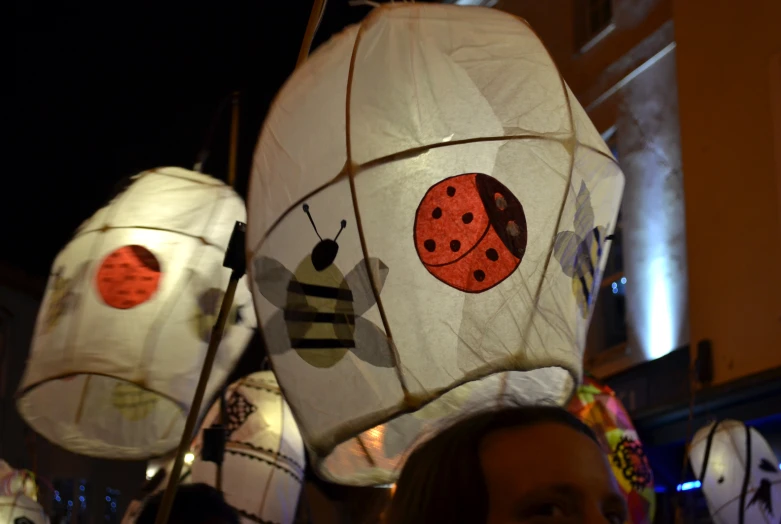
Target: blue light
[[81, 488], [70, 503], [660, 489], [57, 498], [686, 486], [81, 499], [623, 280], [108, 499], [113, 504], [615, 288]]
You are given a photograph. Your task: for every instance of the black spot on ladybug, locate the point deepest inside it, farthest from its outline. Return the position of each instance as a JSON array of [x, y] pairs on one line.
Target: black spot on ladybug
[[467, 218], [512, 229], [451, 191], [455, 245], [492, 255], [501, 203], [721, 479], [430, 245], [437, 213], [479, 275]]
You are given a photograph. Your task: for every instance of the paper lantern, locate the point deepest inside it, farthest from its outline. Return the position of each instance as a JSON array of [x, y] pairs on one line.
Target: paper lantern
[[21, 509], [263, 467], [597, 405], [429, 209], [14, 481], [739, 474], [124, 324]]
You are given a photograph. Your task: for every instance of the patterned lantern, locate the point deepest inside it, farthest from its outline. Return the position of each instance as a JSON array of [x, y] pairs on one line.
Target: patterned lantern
[[21, 509], [597, 405], [739, 474], [263, 467], [428, 219], [125, 321]]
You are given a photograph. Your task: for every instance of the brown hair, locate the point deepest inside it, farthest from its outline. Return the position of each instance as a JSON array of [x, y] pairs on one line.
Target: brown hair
[[442, 480]]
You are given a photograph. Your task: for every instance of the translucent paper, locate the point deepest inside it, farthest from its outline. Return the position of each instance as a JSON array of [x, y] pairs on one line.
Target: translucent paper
[[460, 204], [598, 406], [124, 324], [737, 456], [21, 509], [263, 467]]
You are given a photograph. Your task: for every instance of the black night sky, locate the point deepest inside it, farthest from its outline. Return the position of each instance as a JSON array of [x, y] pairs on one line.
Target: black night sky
[[109, 89]]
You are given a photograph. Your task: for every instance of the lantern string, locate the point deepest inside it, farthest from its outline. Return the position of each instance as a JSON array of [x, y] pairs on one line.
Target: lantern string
[[315, 17]]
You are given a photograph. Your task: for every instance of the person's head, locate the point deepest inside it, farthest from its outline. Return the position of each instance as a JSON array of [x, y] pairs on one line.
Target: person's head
[[525, 465], [193, 504]]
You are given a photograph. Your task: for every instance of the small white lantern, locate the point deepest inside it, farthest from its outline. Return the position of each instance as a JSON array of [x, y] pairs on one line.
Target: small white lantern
[[739, 473], [263, 468], [124, 325], [429, 209], [21, 509]]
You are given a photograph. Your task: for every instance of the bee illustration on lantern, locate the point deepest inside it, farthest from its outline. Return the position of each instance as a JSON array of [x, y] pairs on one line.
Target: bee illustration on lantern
[[208, 308], [470, 232], [321, 308], [64, 297], [579, 251]]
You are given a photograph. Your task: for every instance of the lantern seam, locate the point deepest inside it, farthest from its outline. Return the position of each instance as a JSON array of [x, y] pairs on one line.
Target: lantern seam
[[273, 464], [356, 210]]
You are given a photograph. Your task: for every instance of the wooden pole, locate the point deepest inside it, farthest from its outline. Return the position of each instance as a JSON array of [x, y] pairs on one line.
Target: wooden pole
[[234, 144], [311, 29], [189, 426]]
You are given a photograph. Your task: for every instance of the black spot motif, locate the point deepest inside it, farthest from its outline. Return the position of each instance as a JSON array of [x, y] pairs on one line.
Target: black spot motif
[[437, 213], [479, 275], [455, 245], [467, 218], [430, 245], [492, 255], [451, 191]]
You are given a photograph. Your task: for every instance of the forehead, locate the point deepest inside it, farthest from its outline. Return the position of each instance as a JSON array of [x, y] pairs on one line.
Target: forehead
[[545, 453]]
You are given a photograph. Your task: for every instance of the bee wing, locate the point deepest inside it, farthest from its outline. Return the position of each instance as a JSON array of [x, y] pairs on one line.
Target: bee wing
[[272, 279], [584, 213], [565, 249], [360, 285], [371, 344], [275, 335]]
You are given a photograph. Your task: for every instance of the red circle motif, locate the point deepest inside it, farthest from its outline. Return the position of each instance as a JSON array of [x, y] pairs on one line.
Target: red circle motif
[[128, 277]]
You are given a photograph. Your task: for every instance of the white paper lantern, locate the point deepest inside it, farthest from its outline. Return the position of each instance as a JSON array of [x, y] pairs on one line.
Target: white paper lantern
[[739, 474], [464, 199], [124, 325], [263, 467], [14, 481], [21, 509]]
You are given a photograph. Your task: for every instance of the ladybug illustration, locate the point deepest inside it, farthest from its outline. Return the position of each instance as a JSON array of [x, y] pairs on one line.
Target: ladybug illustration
[[470, 232], [128, 277]]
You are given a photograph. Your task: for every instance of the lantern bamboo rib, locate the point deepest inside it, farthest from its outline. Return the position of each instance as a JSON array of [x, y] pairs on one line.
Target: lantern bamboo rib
[[148, 228], [359, 224], [365, 450], [408, 153]]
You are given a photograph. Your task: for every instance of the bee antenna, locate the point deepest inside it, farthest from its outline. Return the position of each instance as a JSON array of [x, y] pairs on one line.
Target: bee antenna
[[344, 225], [306, 210]]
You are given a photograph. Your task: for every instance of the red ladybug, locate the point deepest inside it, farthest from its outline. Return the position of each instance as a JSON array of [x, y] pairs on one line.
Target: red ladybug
[[128, 277], [470, 232]]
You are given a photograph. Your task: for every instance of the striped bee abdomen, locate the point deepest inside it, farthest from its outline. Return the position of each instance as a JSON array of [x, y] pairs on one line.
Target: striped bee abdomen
[[319, 315]]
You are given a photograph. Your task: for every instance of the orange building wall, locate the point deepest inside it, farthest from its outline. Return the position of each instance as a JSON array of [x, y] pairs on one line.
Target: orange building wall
[[724, 51]]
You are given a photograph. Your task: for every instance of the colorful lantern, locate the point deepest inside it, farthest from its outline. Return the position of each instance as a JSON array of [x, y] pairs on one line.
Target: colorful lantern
[[124, 324], [597, 405], [739, 473], [429, 216], [263, 467], [21, 509]]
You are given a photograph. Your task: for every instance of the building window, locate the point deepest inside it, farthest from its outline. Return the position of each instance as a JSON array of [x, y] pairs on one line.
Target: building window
[[593, 20]]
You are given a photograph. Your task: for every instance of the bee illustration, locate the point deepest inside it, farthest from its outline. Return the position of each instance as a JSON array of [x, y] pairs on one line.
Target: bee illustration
[[64, 297], [579, 252], [208, 308], [320, 317]]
